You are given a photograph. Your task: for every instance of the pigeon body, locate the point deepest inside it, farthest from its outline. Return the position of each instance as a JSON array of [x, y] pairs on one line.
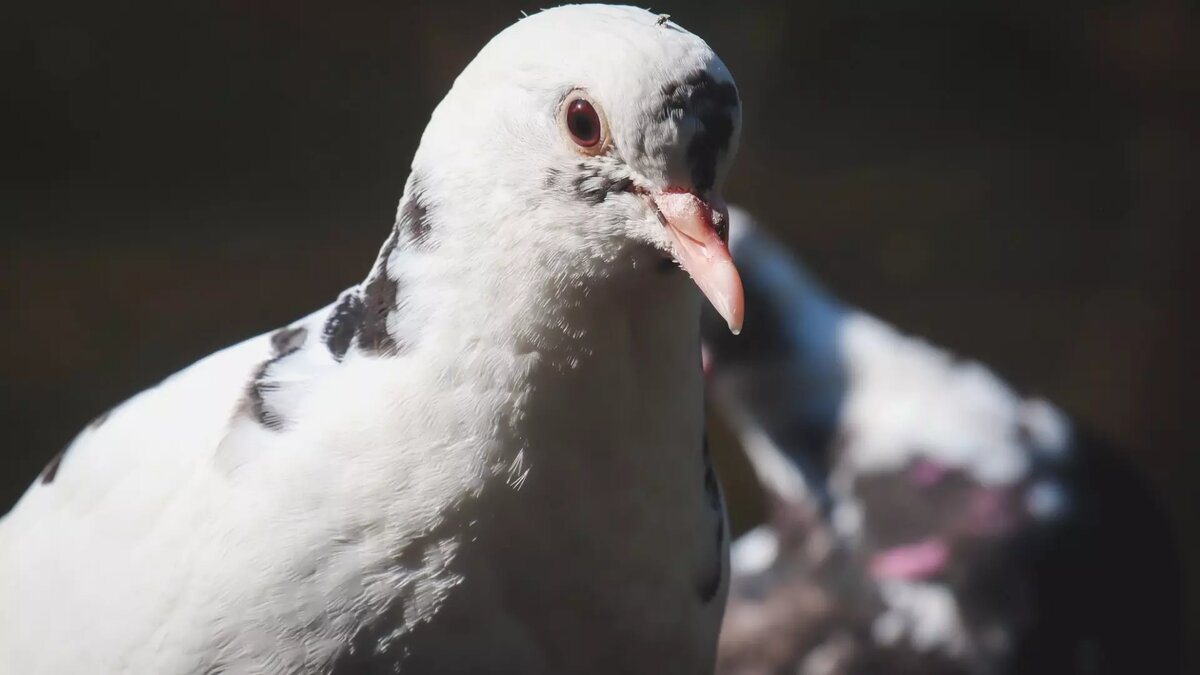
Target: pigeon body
[[935, 520], [487, 457]]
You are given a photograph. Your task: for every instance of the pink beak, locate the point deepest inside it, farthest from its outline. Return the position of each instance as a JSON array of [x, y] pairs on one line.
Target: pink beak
[[700, 233]]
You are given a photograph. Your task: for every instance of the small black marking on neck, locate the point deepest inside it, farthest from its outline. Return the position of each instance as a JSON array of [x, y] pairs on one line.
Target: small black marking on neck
[[413, 220], [342, 323], [710, 583], [288, 339], [51, 469], [254, 402], [99, 420], [379, 300], [712, 489], [360, 316], [48, 474], [379, 296]]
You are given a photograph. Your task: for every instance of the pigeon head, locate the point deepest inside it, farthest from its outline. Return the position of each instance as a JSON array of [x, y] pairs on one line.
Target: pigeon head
[[597, 136]]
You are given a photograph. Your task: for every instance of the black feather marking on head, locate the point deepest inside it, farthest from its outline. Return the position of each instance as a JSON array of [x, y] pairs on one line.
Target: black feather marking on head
[[710, 582], [594, 189], [589, 188], [714, 105], [51, 469], [552, 179], [288, 339], [342, 323], [379, 296], [588, 182]]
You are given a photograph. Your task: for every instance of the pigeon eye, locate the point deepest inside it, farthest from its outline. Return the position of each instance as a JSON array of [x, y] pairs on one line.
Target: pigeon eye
[[584, 124]]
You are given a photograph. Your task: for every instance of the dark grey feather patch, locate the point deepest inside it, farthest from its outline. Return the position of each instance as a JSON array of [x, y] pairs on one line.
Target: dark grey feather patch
[[710, 583], [343, 322], [414, 215], [288, 339], [591, 183], [51, 469], [254, 402], [379, 300], [360, 316], [714, 104]]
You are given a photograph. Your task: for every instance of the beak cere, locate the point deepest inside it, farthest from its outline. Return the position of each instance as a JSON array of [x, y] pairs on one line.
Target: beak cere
[[699, 232], [699, 226]]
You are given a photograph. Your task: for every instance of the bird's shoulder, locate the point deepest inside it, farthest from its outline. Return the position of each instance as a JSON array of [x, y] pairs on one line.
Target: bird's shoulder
[[229, 467], [231, 409]]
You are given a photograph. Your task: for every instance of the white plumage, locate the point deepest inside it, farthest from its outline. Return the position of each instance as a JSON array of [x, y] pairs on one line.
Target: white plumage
[[487, 457]]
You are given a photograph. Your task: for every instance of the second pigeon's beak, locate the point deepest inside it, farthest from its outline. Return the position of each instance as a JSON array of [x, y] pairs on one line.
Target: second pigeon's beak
[[699, 232]]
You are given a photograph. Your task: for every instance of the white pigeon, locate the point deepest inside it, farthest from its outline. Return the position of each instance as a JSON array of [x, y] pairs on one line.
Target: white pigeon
[[487, 457], [969, 529]]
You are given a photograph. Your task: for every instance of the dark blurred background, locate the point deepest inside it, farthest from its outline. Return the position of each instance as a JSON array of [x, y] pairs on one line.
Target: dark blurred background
[[1010, 179]]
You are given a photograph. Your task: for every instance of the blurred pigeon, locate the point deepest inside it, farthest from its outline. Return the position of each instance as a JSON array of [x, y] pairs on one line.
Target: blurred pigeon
[[933, 520], [487, 457]]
